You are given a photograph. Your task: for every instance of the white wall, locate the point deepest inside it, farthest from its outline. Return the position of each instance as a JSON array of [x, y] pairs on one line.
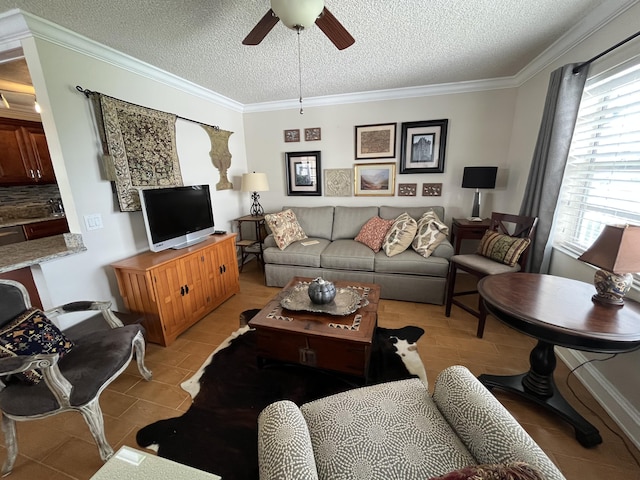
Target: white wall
[[479, 133], [75, 149]]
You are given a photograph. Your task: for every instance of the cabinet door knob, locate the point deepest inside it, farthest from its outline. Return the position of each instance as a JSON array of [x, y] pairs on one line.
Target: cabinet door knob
[[182, 290], [38, 173], [31, 174], [186, 289]]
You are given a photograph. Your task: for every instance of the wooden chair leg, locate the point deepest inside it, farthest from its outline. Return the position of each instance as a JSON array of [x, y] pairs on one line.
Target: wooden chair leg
[[451, 284], [92, 414], [11, 444], [482, 317]]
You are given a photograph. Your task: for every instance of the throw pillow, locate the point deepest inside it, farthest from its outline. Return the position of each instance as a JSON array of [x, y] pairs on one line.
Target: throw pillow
[[31, 333], [502, 248], [510, 471], [431, 233], [285, 228], [373, 232], [400, 235]]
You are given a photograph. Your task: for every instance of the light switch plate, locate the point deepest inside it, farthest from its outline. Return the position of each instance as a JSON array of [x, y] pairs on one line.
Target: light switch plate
[[93, 221]]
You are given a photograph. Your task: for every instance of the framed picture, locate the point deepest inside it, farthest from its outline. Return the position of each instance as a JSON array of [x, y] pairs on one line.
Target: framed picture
[[407, 189], [376, 141], [423, 146], [338, 182], [303, 173], [375, 179], [312, 134], [292, 135]]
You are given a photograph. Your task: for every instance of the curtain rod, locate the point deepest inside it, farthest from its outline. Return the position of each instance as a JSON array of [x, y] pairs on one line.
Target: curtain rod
[[87, 93], [580, 66]]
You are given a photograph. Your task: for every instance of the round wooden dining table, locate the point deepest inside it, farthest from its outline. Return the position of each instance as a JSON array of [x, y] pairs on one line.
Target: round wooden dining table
[[556, 311]]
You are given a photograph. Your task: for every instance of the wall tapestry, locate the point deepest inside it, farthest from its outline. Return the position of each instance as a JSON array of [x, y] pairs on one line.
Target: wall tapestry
[[142, 149], [220, 155]]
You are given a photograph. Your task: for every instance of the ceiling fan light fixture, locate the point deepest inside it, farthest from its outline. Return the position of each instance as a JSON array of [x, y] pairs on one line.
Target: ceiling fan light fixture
[[297, 13]]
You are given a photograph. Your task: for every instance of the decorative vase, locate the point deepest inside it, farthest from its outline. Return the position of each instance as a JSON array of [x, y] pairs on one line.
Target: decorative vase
[[321, 291]]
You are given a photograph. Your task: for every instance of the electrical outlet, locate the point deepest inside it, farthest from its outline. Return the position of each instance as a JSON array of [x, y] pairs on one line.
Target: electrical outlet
[[93, 221]]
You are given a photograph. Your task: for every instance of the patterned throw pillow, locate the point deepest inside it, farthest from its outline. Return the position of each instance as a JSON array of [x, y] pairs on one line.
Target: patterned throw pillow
[[400, 235], [502, 248], [31, 333], [285, 228], [510, 471], [431, 233], [373, 232]]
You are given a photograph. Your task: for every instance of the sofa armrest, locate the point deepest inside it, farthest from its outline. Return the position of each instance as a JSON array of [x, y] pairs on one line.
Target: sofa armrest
[[444, 250], [269, 241], [284, 444], [485, 426]]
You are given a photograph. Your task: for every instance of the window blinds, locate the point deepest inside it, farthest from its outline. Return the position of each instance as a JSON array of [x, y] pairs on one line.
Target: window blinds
[[602, 178]]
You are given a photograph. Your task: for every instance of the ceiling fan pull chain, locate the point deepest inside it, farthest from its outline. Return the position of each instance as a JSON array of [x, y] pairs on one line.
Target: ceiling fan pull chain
[[299, 29]]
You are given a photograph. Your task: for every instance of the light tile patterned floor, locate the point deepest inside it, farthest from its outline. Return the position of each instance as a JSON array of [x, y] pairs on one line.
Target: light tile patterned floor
[[61, 447]]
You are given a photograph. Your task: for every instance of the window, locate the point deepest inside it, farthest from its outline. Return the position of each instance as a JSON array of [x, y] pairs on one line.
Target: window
[[601, 182]]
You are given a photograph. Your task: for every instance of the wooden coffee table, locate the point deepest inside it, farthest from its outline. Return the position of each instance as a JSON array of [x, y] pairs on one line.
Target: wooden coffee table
[[338, 343]]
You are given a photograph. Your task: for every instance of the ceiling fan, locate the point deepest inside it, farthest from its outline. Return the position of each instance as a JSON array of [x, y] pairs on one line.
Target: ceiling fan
[[298, 15]]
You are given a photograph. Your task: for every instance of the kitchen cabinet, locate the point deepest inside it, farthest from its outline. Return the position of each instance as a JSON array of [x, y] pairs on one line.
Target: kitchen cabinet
[[45, 228], [24, 157], [174, 289]]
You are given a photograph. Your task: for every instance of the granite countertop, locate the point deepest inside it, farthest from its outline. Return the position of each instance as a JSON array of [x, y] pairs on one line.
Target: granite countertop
[[12, 222], [33, 252]]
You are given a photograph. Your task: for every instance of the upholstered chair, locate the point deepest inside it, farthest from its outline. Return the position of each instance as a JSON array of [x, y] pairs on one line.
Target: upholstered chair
[[504, 248], [69, 374]]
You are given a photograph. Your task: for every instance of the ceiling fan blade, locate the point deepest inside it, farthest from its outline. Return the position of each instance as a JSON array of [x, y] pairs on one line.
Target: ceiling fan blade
[[333, 29], [260, 31]]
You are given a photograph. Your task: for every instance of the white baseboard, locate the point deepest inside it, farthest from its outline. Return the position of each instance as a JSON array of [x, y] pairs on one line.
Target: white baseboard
[[626, 416]]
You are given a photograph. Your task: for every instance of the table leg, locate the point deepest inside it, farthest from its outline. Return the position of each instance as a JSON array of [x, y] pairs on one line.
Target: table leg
[[539, 386]]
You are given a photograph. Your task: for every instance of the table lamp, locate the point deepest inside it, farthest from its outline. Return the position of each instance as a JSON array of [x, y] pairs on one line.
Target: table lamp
[[617, 253], [254, 183], [478, 177]]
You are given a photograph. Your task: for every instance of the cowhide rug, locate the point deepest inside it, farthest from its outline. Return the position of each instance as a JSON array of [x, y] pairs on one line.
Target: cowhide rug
[[218, 433]]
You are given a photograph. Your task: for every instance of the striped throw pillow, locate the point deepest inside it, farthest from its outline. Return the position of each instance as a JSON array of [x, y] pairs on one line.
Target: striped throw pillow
[[502, 248]]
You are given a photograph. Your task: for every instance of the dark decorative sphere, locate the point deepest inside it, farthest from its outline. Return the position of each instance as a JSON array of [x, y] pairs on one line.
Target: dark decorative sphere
[[321, 291]]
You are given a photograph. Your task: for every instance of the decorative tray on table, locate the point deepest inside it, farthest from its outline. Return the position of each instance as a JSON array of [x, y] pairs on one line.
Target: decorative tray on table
[[347, 301]]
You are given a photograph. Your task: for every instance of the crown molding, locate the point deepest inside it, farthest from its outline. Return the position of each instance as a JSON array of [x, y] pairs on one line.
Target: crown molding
[[22, 24]]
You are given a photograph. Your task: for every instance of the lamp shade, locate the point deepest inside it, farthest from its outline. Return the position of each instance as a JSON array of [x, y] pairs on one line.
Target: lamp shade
[[297, 13], [479, 177], [616, 250], [254, 182]]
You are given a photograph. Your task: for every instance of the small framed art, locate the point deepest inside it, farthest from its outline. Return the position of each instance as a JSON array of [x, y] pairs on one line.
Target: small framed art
[[312, 134], [423, 146], [375, 141], [407, 189], [303, 173], [292, 135], [375, 179], [338, 182]]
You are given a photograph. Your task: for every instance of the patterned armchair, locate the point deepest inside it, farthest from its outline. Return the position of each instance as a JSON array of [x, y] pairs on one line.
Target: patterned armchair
[[397, 430], [43, 372]]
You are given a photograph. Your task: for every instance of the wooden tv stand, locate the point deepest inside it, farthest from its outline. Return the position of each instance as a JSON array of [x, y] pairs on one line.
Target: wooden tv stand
[[174, 289]]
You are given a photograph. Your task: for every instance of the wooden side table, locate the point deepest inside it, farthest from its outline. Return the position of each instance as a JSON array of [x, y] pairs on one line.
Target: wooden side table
[[251, 246], [463, 229]]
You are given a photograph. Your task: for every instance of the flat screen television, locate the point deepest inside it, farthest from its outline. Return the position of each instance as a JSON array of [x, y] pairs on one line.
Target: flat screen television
[[176, 217]]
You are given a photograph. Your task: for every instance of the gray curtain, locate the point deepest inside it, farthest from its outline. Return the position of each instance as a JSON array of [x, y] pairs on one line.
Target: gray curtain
[[550, 157]]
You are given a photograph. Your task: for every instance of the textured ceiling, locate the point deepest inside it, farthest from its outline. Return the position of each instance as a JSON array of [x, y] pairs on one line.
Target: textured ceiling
[[401, 43]]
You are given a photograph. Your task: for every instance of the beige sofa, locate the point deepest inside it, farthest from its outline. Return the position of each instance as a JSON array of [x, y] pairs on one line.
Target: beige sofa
[[407, 276]]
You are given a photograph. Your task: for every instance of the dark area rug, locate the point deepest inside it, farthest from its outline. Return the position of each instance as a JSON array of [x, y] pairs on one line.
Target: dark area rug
[[218, 433]]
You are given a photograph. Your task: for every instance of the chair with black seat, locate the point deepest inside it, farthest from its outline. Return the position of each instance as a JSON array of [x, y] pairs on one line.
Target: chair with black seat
[[69, 374], [504, 248]]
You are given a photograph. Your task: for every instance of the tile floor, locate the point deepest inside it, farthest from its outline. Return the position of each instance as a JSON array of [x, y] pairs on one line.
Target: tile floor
[[61, 447]]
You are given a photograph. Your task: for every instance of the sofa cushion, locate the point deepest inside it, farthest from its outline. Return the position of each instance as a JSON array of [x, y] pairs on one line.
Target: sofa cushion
[[353, 432], [411, 263], [512, 471], [347, 221], [414, 212], [373, 232], [285, 228], [431, 232], [31, 333], [297, 254], [347, 254], [317, 222], [400, 235], [502, 248]]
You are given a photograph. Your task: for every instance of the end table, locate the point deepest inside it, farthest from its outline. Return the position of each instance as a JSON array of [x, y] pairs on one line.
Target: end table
[[463, 229], [251, 246]]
